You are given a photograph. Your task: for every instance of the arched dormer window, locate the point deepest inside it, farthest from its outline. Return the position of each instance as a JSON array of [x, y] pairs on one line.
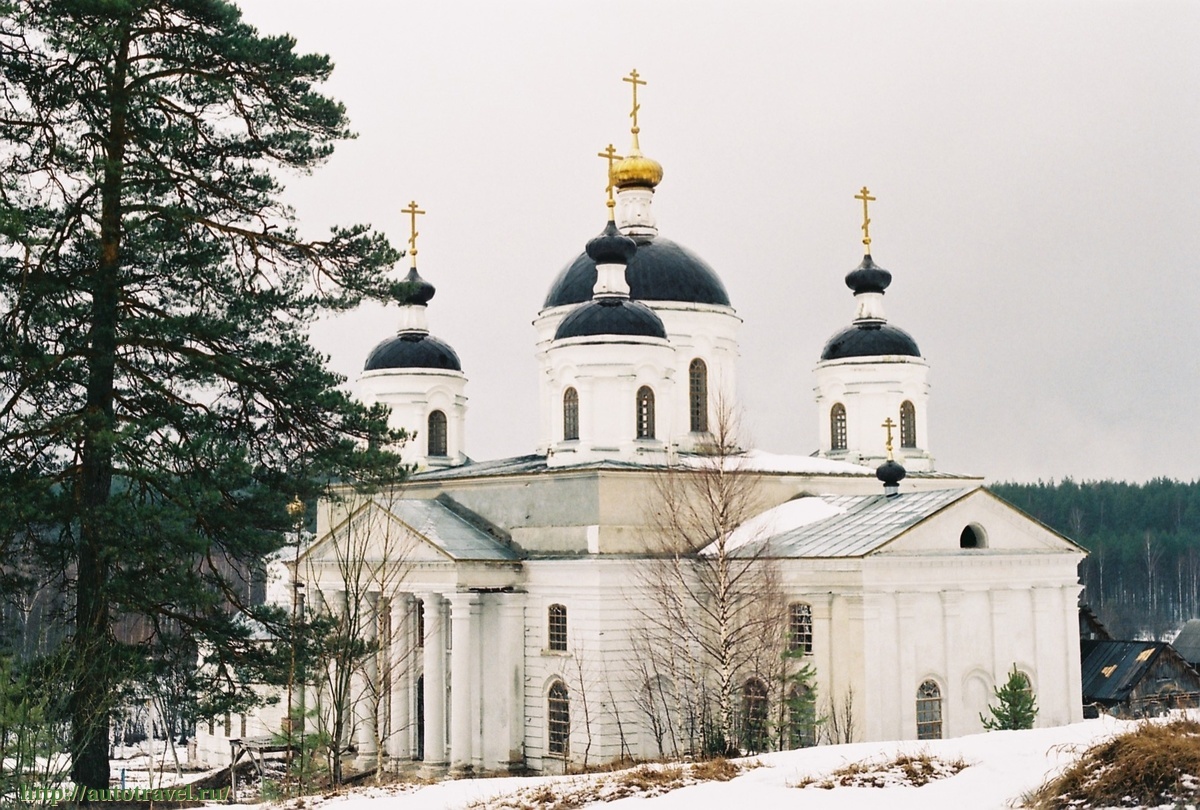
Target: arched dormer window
[[437, 433], [929, 711], [698, 395], [558, 720], [973, 536], [645, 413], [837, 427], [570, 414], [556, 628], [908, 424]]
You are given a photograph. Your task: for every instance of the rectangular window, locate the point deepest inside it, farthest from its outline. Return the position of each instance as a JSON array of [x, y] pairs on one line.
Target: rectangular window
[[800, 627], [557, 628]]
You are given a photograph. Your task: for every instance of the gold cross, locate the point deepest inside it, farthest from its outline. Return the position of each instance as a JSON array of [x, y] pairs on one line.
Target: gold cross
[[633, 79], [610, 154], [866, 197], [889, 424], [412, 211]]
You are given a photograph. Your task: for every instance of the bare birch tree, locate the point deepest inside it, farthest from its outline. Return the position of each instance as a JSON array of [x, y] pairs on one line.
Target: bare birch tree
[[358, 653], [711, 607]]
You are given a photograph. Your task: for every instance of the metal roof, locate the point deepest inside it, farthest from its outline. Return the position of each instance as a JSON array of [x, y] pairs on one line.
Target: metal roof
[[441, 526], [1187, 643], [1111, 669], [750, 462], [866, 523]]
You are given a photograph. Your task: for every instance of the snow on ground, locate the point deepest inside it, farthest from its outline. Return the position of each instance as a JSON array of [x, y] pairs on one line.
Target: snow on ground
[[1004, 765]]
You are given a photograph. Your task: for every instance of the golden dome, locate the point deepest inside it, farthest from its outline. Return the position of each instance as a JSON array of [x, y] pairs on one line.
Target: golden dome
[[637, 171]]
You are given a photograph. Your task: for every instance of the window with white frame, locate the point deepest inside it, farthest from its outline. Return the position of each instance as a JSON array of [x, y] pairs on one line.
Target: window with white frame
[[800, 635]]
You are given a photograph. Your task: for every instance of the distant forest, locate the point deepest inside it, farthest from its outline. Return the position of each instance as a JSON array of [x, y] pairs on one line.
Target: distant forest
[[1142, 575]]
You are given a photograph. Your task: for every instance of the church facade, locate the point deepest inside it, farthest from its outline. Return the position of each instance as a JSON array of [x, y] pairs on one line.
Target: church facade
[[510, 599]]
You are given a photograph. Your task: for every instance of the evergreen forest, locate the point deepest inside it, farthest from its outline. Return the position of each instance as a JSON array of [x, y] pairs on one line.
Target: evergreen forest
[[1142, 573]]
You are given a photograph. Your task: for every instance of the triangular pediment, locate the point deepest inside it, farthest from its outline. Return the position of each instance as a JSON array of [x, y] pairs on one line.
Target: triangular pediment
[[990, 524]]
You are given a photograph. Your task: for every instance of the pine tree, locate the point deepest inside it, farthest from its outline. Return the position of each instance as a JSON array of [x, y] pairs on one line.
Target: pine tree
[[800, 726], [1016, 705], [159, 400]]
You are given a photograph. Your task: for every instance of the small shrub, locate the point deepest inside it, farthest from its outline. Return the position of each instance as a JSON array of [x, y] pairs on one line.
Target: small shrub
[[715, 770], [907, 770], [646, 778], [1153, 765]]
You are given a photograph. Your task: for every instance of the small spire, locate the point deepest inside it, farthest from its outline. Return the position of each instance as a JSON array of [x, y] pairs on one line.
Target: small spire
[[635, 169], [634, 80], [891, 472], [611, 155], [417, 291], [888, 424], [295, 507], [412, 211], [866, 197]]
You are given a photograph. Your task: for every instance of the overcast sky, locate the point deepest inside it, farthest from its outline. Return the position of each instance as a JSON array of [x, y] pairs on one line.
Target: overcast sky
[[1036, 164]]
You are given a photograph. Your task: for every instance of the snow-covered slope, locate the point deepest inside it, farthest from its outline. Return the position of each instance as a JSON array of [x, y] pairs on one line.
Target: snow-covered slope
[[1003, 765]]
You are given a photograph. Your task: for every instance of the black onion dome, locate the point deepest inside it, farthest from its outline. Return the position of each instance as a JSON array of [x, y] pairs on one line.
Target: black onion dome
[[890, 473], [868, 277], [869, 340], [611, 247], [419, 291], [660, 270], [611, 316], [412, 350]]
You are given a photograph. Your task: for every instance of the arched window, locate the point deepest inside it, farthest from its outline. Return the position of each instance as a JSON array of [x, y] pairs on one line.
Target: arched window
[[570, 414], [698, 395], [558, 720], [972, 536], [556, 628], [645, 413], [837, 427], [929, 711], [755, 713], [437, 433], [908, 424], [800, 627]]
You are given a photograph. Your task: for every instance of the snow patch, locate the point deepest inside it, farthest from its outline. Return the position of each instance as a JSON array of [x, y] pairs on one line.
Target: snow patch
[[777, 520]]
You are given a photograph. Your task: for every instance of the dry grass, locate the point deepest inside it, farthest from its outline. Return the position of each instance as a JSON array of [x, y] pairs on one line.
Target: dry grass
[[651, 779], [908, 770], [1155, 764]]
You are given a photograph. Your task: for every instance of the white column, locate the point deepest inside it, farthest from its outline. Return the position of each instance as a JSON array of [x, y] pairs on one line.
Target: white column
[[477, 676], [461, 644], [366, 695], [400, 660], [335, 603], [1049, 659], [434, 698], [953, 720], [1074, 684], [510, 680]]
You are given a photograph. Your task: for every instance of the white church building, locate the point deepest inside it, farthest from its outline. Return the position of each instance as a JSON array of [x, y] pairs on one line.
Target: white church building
[[508, 598]]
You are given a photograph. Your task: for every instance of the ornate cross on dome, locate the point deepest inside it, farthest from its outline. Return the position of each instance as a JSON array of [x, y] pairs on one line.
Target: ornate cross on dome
[[866, 197], [412, 211], [633, 79], [610, 154], [888, 424]]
